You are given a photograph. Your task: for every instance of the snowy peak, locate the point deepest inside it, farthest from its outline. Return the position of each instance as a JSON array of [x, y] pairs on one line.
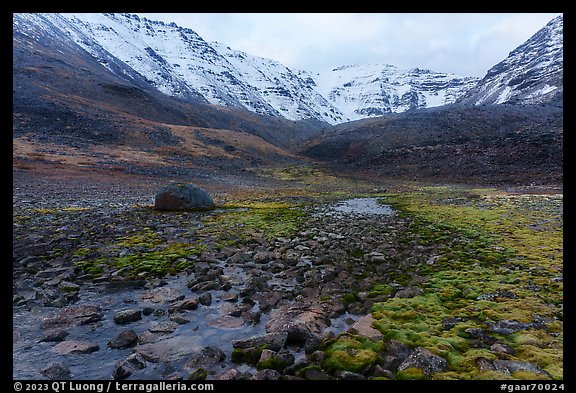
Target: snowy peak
[[371, 90], [179, 63], [532, 73]]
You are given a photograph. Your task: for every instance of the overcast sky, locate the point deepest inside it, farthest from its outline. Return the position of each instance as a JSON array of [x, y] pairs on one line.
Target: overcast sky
[[462, 44]]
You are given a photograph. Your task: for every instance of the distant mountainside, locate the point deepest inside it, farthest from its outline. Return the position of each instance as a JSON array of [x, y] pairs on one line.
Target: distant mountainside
[[531, 73], [372, 90], [178, 62], [491, 144]]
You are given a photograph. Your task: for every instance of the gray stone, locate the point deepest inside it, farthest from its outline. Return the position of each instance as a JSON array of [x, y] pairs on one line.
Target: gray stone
[[300, 322], [186, 304], [183, 196], [126, 367], [267, 375], [56, 335], [349, 375], [168, 350], [163, 327], [274, 341], [511, 366], [74, 346], [162, 295], [206, 358], [56, 371], [363, 327], [424, 360], [396, 352], [124, 339], [205, 299], [73, 316], [127, 316], [409, 292]]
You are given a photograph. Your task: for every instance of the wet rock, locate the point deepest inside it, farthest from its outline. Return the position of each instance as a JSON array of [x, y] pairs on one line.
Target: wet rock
[[185, 304], [380, 372], [163, 327], [162, 295], [423, 359], [229, 297], [167, 350], [206, 358], [484, 364], [124, 339], [119, 283], [449, 323], [73, 316], [182, 196], [126, 316], [126, 367], [266, 375], [74, 346], [273, 341], [56, 371], [231, 374], [251, 317], [226, 322], [300, 322], [55, 335], [205, 299], [179, 319], [363, 327]]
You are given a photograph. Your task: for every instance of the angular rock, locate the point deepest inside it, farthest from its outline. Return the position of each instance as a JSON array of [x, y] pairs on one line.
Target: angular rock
[[56, 371], [186, 304], [162, 295], [363, 327], [124, 339], [230, 375], [511, 366], [409, 292], [74, 346], [300, 322], [56, 335], [183, 196], [205, 299], [163, 327], [226, 322], [275, 360], [423, 359], [206, 358], [73, 316], [274, 341], [168, 350], [126, 316], [126, 367], [266, 375]]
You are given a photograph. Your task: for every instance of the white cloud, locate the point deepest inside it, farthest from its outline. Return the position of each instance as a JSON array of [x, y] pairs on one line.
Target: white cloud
[[464, 44]]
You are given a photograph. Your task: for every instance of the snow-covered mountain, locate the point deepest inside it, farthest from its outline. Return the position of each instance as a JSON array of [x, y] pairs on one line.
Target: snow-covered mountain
[[178, 62], [532, 73], [371, 90]]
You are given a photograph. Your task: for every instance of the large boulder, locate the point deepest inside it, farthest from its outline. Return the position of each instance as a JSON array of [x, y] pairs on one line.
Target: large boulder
[[183, 196]]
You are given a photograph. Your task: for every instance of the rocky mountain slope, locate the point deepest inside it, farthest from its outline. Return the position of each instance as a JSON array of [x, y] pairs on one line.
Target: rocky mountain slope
[[495, 144], [179, 63], [531, 73], [372, 90]]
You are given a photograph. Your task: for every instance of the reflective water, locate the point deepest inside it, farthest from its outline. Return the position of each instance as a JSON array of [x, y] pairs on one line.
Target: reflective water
[[363, 206]]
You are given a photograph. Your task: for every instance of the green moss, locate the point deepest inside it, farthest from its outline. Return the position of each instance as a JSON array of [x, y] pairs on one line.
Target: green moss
[[198, 375], [247, 355], [275, 363], [411, 374], [478, 235], [349, 298], [352, 353]]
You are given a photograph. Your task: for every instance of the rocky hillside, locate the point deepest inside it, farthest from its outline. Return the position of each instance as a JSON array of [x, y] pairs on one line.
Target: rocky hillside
[[531, 73], [495, 144]]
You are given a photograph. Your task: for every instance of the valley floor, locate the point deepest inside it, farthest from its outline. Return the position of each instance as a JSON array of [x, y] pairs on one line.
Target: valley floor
[[283, 280]]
